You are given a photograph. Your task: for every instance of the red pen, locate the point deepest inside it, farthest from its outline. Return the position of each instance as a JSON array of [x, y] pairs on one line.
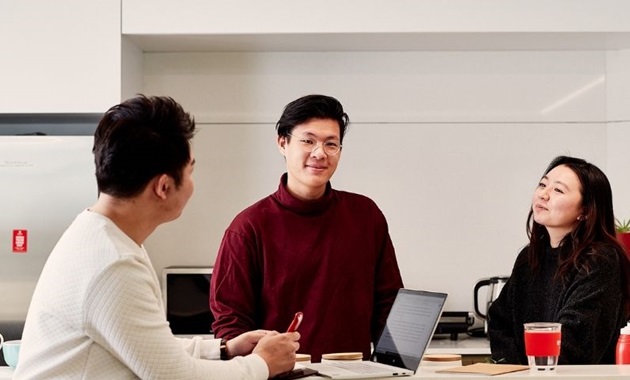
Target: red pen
[[297, 319]]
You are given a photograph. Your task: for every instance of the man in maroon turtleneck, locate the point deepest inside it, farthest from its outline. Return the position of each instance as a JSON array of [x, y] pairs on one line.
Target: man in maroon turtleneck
[[308, 247]]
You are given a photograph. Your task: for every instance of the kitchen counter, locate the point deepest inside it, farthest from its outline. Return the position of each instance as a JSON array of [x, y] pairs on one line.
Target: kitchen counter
[[567, 372], [465, 345]]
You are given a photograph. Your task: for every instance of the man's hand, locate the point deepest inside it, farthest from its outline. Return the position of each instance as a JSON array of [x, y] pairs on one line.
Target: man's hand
[[278, 351], [245, 343]]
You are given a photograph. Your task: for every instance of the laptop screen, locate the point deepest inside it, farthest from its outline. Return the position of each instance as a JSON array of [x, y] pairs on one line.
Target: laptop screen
[[409, 328]]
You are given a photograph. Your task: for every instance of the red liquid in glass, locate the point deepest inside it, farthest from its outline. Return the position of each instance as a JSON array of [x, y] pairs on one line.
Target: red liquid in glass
[[542, 343]]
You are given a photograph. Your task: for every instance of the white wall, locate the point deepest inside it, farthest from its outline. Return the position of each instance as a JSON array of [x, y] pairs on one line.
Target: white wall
[[449, 144], [618, 95]]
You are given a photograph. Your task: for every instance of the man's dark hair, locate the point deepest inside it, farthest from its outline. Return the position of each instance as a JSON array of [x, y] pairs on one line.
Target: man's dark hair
[[139, 139], [310, 107]]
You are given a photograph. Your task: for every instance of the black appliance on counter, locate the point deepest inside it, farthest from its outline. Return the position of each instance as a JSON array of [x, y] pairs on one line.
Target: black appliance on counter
[[186, 292], [454, 322]]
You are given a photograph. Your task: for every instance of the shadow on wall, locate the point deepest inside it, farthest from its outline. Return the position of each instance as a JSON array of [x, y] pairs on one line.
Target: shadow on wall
[[10, 330]]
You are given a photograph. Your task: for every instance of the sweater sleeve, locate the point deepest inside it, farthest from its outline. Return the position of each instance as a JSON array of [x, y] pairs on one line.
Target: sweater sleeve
[[590, 312], [122, 314], [386, 282], [232, 300], [503, 325], [199, 348], [504, 345]]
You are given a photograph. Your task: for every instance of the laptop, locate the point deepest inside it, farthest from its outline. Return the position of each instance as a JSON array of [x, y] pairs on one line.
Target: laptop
[[409, 328]]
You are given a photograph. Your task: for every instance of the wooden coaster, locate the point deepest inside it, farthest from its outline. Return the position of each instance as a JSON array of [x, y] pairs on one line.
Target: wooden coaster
[[302, 357], [343, 356], [442, 358]]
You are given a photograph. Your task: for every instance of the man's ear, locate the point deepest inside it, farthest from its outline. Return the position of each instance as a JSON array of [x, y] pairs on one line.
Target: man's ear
[[162, 186], [282, 142]]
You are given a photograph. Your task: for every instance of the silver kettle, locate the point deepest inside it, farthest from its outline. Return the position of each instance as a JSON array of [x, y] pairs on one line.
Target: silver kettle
[[495, 285]]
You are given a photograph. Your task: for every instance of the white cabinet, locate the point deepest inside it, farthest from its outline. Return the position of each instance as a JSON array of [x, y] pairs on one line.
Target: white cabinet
[[376, 25], [59, 56]]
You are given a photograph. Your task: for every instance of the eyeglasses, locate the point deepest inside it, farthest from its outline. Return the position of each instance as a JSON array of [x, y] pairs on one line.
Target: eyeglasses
[[309, 145]]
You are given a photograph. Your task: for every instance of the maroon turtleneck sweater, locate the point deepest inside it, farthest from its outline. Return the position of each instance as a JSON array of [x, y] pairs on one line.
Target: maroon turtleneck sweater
[[331, 258]]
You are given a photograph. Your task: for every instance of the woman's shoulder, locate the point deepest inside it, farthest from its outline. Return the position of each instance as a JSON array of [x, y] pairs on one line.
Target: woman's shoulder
[[603, 254], [522, 254], [604, 249]]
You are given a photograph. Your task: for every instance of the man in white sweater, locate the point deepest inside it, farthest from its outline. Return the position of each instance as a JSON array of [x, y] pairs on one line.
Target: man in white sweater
[[97, 310]]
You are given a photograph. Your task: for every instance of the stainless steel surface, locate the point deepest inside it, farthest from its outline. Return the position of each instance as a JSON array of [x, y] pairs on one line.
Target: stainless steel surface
[[495, 286]]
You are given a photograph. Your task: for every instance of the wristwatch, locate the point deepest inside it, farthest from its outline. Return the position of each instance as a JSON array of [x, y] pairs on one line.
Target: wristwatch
[[223, 349]]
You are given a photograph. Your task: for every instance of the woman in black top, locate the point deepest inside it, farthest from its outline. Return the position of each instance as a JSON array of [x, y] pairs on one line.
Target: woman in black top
[[573, 271]]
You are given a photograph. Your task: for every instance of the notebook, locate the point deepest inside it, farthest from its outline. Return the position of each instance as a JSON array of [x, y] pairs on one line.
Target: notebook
[[409, 328]]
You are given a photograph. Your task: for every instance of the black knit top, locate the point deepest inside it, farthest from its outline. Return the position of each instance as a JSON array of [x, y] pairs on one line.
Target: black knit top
[[589, 306]]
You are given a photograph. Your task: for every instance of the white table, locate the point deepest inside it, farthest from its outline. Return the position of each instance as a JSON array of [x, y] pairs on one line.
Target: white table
[[6, 373], [568, 372]]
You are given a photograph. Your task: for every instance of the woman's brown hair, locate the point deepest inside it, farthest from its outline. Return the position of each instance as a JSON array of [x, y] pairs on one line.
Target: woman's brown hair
[[594, 233]]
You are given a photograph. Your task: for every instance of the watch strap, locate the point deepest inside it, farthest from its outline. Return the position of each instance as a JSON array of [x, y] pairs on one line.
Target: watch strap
[[223, 350]]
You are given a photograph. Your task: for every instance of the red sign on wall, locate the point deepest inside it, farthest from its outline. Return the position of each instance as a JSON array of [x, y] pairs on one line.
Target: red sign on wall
[[20, 241]]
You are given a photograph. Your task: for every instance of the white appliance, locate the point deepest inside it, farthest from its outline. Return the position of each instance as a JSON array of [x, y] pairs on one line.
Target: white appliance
[[45, 181]]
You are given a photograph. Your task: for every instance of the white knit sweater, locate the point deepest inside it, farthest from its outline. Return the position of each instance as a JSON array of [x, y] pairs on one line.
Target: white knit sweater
[[97, 313]]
